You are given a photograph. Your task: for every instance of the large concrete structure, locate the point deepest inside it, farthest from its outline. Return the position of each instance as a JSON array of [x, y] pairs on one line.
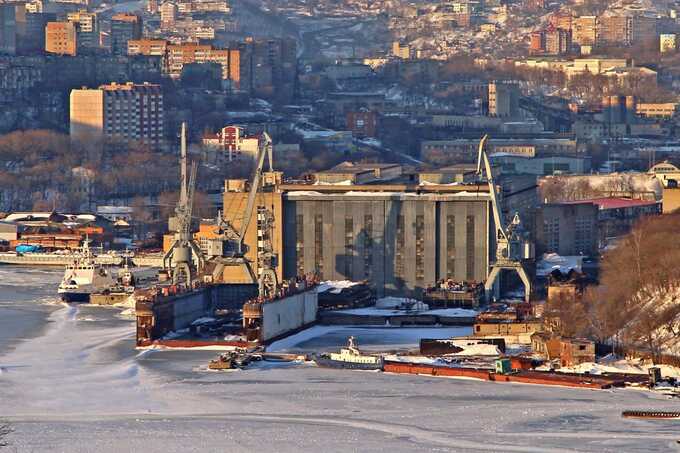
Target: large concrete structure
[[401, 241], [399, 235], [267, 321], [129, 111]]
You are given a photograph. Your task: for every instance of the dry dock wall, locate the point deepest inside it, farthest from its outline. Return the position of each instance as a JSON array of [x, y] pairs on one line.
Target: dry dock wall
[[288, 314], [164, 314]]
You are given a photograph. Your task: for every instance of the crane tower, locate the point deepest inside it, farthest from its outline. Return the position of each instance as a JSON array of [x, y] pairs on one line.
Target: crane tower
[[511, 248]]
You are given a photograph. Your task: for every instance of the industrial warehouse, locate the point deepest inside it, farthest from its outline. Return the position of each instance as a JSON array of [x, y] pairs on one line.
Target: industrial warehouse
[[378, 230]]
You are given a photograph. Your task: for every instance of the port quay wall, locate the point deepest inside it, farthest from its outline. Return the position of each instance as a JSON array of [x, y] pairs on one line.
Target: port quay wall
[[288, 314]]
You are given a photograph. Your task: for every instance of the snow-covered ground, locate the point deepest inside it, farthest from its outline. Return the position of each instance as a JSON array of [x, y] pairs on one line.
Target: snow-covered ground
[[375, 338], [78, 385], [621, 366]]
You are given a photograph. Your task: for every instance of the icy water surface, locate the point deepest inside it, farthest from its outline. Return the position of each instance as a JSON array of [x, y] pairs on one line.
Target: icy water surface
[[72, 381]]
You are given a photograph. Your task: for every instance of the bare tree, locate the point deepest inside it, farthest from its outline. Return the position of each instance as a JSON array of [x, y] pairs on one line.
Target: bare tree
[[5, 431]]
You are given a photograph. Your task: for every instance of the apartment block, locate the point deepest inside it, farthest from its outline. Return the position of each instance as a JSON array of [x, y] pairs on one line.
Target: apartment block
[[61, 38], [12, 19], [87, 29], [147, 47], [169, 14], [34, 41], [128, 111], [124, 28], [584, 30], [180, 54], [557, 41], [625, 30]]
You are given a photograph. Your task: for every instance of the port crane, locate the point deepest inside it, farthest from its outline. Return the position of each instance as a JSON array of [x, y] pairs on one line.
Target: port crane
[[184, 254], [266, 258], [511, 248]]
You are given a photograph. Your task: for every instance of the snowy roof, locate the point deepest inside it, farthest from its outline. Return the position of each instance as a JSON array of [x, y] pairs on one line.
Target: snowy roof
[[615, 203]]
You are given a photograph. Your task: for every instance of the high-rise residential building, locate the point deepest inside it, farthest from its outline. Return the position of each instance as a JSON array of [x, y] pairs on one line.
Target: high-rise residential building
[[643, 30], [129, 111], [152, 6], [557, 41], [12, 27], [168, 14], [562, 21], [176, 56], [269, 67], [584, 30], [34, 41], [503, 99], [626, 30], [60, 38], [181, 54], [124, 27], [87, 29]]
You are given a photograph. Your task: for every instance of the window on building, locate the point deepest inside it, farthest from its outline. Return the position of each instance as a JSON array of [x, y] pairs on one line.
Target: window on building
[[420, 248], [551, 233], [470, 248], [318, 244], [399, 251], [450, 246], [368, 245], [349, 246], [582, 235]]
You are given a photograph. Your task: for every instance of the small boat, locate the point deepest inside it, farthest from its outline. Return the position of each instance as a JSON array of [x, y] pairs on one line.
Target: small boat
[[223, 362], [238, 359], [350, 358], [84, 277]]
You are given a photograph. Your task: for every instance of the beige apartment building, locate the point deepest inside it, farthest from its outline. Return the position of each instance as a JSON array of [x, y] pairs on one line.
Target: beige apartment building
[[60, 38], [584, 30], [128, 111]]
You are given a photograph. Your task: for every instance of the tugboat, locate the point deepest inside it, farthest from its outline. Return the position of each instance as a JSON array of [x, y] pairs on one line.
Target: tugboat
[[84, 277], [351, 358]]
